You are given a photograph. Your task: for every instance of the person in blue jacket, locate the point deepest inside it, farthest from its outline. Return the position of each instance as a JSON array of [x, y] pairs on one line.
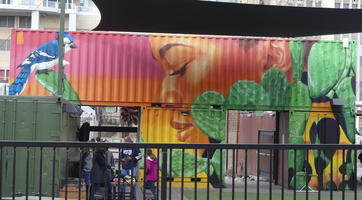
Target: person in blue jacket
[[129, 158]]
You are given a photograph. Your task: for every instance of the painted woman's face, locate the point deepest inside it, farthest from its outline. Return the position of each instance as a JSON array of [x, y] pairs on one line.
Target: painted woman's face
[[194, 65]]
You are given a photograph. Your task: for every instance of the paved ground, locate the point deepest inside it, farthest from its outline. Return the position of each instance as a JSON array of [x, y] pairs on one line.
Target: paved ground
[[239, 186]]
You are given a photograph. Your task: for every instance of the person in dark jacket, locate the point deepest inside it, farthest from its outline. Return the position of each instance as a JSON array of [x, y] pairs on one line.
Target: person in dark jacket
[[98, 170], [129, 158], [108, 172]]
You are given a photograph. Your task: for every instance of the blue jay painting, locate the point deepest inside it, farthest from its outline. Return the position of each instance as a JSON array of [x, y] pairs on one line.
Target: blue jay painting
[[41, 59]]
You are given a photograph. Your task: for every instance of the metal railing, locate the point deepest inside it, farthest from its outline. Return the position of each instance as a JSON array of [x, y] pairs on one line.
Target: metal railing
[[36, 168]]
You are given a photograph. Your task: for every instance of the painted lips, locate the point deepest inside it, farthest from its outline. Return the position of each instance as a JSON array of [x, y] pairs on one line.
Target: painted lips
[[185, 129]]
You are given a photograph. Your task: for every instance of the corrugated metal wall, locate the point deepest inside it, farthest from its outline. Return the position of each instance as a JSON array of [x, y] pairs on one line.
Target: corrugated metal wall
[[139, 69], [116, 68]]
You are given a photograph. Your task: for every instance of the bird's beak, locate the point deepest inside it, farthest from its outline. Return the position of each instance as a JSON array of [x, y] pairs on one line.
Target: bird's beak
[[72, 45]]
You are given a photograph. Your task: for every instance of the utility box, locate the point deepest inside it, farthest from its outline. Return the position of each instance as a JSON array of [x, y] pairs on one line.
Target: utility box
[[25, 118]]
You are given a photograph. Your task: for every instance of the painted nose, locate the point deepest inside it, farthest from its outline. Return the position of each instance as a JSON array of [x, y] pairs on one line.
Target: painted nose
[[172, 97]]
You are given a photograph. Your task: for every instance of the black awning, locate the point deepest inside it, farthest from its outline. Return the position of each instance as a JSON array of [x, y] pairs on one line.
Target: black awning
[[203, 17]]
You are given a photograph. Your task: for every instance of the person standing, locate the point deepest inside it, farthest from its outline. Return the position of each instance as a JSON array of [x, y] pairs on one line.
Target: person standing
[[129, 158], [108, 173], [98, 171], [87, 164], [151, 172]]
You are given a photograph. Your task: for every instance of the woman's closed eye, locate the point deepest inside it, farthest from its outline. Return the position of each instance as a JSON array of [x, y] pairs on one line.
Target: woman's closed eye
[[178, 56]]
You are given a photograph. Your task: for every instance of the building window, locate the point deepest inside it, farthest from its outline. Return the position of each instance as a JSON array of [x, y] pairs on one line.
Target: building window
[[27, 2], [50, 3], [4, 45], [7, 21], [83, 5], [69, 4], [5, 1], [24, 22], [4, 75]]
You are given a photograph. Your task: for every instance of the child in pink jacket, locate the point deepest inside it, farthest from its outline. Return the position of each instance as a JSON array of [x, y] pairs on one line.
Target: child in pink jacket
[[151, 172]]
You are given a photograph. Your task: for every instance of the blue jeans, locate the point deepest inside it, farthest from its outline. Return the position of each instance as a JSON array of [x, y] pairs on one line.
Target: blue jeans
[[122, 188], [87, 177]]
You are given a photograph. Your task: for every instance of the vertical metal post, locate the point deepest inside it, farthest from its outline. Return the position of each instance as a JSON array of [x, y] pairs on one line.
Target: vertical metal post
[[1, 170], [170, 179], [233, 176], [245, 175], [257, 171], [208, 175], [144, 172], [80, 174], [295, 175], [66, 174], [27, 175], [355, 173], [61, 48], [270, 174], [14, 171], [195, 170], [282, 173], [221, 177], [158, 174], [53, 175], [319, 177], [164, 175], [40, 172], [331, 180], [182, 173], [343, 179]]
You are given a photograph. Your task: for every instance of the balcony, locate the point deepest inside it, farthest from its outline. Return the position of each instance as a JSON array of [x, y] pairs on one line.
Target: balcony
[[26, 6]]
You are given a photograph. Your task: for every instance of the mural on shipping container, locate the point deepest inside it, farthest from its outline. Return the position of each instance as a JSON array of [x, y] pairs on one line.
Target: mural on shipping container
[[196, 79]]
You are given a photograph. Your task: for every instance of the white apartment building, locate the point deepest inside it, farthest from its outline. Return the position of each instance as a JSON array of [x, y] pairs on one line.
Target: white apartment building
[[81, 15]]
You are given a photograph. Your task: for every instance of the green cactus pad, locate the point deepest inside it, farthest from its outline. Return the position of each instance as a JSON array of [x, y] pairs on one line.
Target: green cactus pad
[[297, 51], [327, 63], [345, 92], [247, 95], [218, 164], [189, 164], [211, 121], [300, 155], [298, 97], [275, 82]]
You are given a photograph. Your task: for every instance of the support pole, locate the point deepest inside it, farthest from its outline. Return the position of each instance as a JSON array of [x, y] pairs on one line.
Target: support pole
[[61, 49]]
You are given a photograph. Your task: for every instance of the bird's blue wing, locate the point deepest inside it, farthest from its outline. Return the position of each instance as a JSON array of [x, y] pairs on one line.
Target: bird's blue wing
[[18, 85], [44, 53]]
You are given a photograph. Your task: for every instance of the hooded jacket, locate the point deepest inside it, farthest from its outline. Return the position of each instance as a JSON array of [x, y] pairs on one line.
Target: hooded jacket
[[151, 169], [99, 167]]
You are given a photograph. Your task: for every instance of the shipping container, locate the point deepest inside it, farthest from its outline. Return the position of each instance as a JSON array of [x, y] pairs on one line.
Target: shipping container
[[109, 68], [35, 119], [185, 84]]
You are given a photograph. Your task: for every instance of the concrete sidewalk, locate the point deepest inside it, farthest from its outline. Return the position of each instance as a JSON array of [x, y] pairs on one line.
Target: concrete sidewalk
[[238, 187]]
